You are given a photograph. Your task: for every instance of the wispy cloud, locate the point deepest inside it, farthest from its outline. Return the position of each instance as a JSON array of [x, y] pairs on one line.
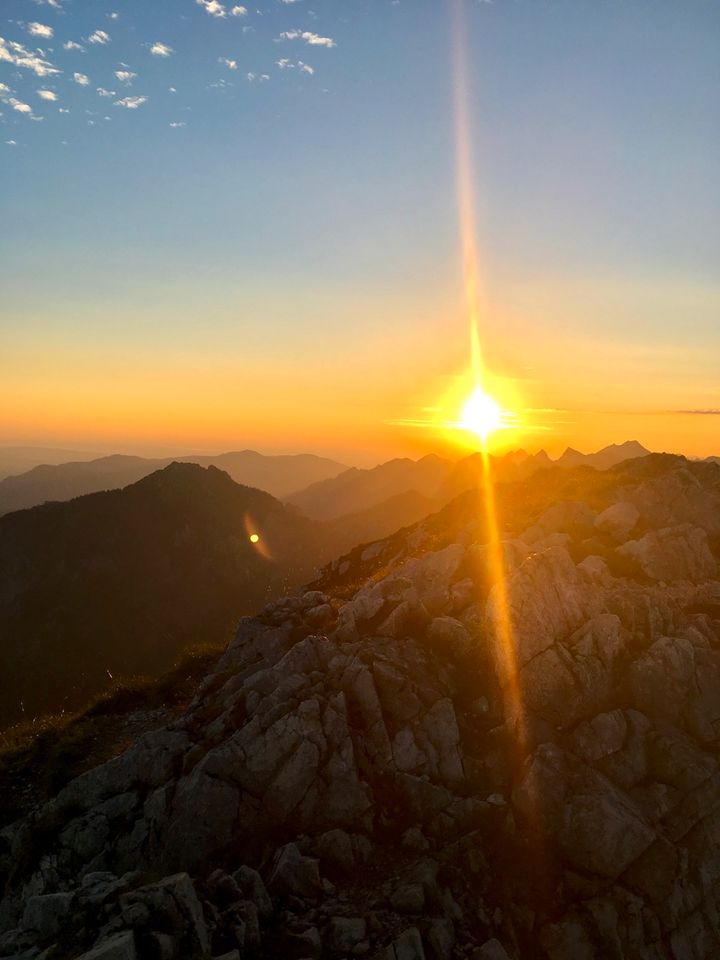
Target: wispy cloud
[[11, 143], [161, 50], [700, 413], [47, 94], [230, 64], [40, 30], [177, 123], [99, 36], [286, 64], [81, 78], [4, 88], [213, 7], [239, 11], [102, 92], [72, 45], [20, 56], [313, 39], [131, 103], [125, 76]]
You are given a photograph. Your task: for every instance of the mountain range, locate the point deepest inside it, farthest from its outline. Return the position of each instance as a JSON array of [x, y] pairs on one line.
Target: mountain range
[[119, 582], [412, 759], [278, 475]]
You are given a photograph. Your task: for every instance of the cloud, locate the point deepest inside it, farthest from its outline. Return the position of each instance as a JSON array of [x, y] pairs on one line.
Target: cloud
[[178, 123], [161, 50], [17, 54], [11, 143], [238, 11], [19, 105], [310, 38], [701, 413], [81, 78], [99, 37], [4, 88], [50, 3], [72, 45], [114, 16], [286, 64], [125, 76], [47, 95], [102, 92], [213, 7], [230, 64], [63, 110], [40, 30], [172, 89], [131, 103]]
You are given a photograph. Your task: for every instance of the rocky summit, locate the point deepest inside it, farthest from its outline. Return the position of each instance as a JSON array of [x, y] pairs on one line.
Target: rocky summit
[[369, 771]]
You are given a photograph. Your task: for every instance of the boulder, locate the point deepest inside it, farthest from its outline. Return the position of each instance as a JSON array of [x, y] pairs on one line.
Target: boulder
[[295, 874], [673, 553], [118, 947]]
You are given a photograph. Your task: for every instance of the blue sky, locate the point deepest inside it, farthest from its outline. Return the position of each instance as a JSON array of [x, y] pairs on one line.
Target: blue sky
[[276, 187]]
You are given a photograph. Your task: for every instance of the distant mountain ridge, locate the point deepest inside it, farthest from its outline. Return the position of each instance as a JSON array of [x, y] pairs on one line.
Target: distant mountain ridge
[[16, 460], [439, 480], [277, 475]]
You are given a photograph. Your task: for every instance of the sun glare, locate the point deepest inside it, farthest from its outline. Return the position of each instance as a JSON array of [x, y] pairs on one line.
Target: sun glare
[[481, 414]]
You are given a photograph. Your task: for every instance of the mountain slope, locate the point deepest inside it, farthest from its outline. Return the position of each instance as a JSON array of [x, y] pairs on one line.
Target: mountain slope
[[355, 490], [356, 775], [119, 581], [278, 475]]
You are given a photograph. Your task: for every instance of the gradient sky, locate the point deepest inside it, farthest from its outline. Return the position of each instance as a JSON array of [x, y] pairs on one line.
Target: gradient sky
[[252, 240]]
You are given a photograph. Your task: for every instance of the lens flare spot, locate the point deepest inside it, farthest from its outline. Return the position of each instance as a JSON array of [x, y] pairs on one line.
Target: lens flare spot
[[481, 414], [254, 538]]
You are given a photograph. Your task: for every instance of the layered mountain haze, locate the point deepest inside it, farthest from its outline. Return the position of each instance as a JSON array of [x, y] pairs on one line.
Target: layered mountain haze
[[439, 480], [364, 772], [278, 475]]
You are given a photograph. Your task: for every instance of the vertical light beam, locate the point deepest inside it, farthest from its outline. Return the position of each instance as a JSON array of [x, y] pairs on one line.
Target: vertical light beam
[[474, 304]]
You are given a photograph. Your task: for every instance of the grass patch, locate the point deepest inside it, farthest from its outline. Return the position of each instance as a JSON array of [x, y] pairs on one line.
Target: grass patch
[[38, 757]]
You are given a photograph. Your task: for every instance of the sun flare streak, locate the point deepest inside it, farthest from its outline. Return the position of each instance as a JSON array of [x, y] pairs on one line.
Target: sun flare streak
[[481, 413]]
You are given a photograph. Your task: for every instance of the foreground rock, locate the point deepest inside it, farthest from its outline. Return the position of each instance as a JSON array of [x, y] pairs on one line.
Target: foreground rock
[[448, 767]]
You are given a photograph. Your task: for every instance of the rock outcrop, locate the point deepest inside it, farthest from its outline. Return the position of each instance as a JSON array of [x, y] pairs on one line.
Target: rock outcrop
[[368, 772]]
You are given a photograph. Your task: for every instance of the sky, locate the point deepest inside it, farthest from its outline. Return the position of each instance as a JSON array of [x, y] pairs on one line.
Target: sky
[[230, 226]]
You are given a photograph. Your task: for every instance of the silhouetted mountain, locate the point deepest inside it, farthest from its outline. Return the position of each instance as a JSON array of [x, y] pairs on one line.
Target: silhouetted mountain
[[356, 490], [278, 475], [438, 480], [605, 458], [14, 460], [120, 581]]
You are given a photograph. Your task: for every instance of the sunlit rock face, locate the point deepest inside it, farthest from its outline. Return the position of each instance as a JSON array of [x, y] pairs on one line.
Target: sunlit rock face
[[351, 780]]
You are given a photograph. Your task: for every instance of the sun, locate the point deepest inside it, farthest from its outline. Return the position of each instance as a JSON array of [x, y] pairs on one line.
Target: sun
[[481, 414]]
